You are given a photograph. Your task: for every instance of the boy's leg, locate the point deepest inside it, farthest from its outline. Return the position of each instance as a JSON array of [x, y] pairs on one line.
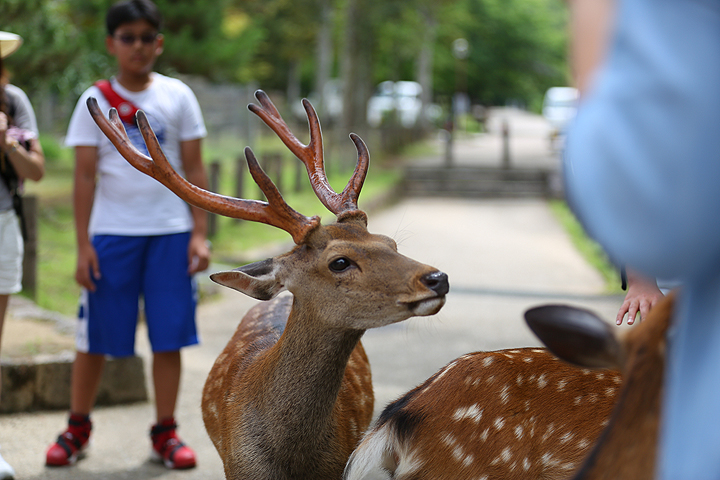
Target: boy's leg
[[86, 374], [169, 295], [166, 380], [106, 326]]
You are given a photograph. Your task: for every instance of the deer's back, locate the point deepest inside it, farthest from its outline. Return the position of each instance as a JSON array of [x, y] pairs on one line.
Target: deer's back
[[495, 415]]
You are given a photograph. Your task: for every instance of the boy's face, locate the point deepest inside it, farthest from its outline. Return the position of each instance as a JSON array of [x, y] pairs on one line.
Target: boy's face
[[136, 45]]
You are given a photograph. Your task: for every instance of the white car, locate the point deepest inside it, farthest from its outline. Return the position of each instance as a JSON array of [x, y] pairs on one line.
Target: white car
[[559, 108], [402, 97]]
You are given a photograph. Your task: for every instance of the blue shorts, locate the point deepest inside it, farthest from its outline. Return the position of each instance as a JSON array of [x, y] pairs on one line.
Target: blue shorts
[[153, 268]]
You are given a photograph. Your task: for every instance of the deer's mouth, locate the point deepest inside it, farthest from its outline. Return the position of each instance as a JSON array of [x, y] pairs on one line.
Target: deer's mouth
[[428, 306]]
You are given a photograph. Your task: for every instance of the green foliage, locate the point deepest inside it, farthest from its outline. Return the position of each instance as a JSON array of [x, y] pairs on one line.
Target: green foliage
[[517, 49]]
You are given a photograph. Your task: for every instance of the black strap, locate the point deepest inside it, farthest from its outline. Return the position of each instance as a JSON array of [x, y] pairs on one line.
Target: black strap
[[12, 182]]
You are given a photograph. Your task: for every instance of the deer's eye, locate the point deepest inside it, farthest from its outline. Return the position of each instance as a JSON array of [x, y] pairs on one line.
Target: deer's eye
[[340, 264]]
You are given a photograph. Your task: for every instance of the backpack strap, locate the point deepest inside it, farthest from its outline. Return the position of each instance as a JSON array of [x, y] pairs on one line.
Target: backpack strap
[[126, 110]]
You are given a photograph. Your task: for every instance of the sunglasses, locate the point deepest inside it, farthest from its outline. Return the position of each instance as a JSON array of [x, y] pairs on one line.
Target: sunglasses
[[130, 39]]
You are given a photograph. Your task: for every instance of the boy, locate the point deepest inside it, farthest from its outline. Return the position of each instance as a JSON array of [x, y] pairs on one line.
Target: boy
[[135, 237]]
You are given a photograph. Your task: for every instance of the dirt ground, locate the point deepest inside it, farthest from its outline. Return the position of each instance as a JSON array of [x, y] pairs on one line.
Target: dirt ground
[[30, 331]]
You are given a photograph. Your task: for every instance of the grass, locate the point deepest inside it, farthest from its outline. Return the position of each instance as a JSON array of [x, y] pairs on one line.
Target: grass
[[589, 249]]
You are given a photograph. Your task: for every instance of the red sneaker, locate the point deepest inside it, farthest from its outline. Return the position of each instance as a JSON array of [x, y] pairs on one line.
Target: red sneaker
[[168, 448], [72, 444]]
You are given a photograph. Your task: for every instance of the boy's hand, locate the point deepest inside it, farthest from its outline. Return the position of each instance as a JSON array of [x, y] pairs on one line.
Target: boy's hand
[[88, 267], [198, 254]]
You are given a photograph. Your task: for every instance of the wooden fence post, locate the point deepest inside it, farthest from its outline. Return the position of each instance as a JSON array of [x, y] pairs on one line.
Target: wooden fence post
[[505, 144], [30, 213]]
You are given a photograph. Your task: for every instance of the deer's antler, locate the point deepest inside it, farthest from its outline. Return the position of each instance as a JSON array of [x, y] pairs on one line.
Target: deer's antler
[[312, 156], [275, 211]]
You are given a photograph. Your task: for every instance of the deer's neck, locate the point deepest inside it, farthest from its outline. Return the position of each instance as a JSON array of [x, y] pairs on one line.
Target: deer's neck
[[303, 374]]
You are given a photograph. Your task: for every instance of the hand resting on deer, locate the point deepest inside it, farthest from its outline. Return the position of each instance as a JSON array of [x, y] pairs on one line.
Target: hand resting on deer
[[291, 394], [525, 414]]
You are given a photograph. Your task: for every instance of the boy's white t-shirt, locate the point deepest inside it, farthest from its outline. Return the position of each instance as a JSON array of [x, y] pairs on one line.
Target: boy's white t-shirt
[[128, 202]]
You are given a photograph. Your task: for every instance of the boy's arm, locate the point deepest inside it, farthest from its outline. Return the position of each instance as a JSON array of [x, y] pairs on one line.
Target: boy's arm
[[83, 196], [198, 250]]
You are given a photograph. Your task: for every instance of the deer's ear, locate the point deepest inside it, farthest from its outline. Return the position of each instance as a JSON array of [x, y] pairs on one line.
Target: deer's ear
[[576, 335], [258, 280]]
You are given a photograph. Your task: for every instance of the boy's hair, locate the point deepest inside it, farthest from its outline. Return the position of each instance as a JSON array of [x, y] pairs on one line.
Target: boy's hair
[[128, 11]]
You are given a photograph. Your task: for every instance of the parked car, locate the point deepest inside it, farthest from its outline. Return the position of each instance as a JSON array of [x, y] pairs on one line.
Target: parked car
[[332, 111], [559, 108], [402, 97]]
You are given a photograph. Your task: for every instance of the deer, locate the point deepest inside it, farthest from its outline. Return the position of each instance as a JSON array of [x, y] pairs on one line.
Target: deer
[[627, 447], [528, 414], [291, 394]]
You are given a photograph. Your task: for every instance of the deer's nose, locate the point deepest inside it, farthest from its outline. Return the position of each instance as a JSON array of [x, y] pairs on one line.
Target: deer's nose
[[437, 282]]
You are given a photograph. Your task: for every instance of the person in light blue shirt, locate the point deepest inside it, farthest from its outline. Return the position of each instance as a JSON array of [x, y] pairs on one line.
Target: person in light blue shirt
[[642, 172]]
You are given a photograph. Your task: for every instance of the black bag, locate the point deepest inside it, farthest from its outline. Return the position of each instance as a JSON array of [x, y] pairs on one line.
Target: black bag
[[13, 184]]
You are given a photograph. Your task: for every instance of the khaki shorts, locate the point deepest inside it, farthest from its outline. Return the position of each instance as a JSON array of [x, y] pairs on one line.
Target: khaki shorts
[[11, 253]]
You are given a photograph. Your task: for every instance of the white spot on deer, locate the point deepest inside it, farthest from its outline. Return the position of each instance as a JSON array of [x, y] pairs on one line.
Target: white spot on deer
[[561, 385], [542, 381], [548, 460], [585, 371], [593, 398], [490, 379], [519, 380], [578, 399], [484, 435], [499, 423], [519, 432], [537, 350], [449, 440], [487, 361], [472, 412], [600, 376], [506, 454], [605, 422], [550, 430], [526, 464], [508, 355], [504, 394], [528, 359], [445, 371], [610, 392], [514, 351], [484, 477], [617, 379], [567, 437], [527, 405], [583, 444]]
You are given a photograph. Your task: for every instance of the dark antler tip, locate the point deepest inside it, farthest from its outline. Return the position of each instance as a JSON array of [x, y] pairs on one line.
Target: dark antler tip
[[91, 102], [250, 156]]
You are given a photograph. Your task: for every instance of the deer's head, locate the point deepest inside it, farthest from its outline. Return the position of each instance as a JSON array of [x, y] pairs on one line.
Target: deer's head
[[340, 270]]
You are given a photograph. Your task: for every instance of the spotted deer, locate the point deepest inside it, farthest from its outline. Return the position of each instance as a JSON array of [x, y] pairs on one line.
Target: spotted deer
[[291, 394], [525, 414], [627, 448]]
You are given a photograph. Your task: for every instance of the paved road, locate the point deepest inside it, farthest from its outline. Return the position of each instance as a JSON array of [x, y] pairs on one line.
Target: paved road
[[502, 256]]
